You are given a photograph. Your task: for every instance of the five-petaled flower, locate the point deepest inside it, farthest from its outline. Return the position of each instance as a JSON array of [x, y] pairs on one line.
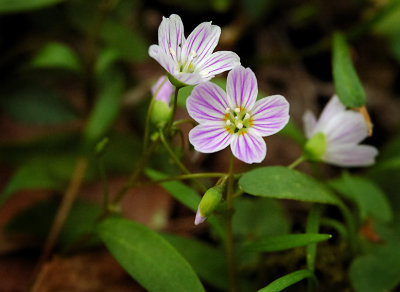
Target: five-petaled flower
[[343, 130], [235, 118], [191, 61]]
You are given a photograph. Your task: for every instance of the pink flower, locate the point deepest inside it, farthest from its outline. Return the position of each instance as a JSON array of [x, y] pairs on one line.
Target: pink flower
[[163, 88], [191, 61], [235, 118], [343, 130]]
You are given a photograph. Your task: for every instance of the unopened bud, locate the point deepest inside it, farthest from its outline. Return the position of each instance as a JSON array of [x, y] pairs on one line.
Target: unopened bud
[[315, 148], [208, 203], [161, 113]]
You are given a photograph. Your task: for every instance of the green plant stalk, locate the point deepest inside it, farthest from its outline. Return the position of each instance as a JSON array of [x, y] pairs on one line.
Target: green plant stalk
[[313, 222], [148, 115], [352, 229], [191, 176], [177, 161], [230, 255], [297, 162]]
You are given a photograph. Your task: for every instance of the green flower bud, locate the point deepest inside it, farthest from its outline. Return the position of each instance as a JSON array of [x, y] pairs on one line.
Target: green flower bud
[[315, 148], [208, 203], [161, 113]]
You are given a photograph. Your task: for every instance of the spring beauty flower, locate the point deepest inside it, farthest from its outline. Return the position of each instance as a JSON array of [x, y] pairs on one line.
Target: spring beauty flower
[[235, 118], [191, 61], [340, 131]]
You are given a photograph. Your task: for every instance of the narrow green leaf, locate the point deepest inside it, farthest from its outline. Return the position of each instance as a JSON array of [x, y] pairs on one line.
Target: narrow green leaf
[[347, 84], [178, 190], [283, 242], [105, 110], [208, 261], [56, 55], [9, 6], [287, 280], [34, 105], [284, 183], [370, 199], [147, 257], [312, 227]]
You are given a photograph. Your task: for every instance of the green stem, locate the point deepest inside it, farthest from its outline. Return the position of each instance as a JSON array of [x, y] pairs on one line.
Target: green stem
[[177, 161], [352, 229], [229, 234], [191, 176], [313, 222], [297, 162], [148, 115]]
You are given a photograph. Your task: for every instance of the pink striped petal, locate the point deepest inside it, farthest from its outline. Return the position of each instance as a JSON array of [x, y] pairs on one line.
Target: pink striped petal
[[249, 147], [350, 155], [164, 60], [209, 138], [332, 109], [219, 62], [241, 88], [163, 88], [309, 122], [171, 36], [201, 42], [189, 78], [207, 103], [344, 128], [270, 115]]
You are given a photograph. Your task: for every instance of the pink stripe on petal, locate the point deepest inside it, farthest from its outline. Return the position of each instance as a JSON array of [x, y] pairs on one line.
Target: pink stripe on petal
[[351, 155], [209, 138], [332, 109], [164, 60], [163, 88], [270, 115], [219, 62], [189, 78], [206, 103], [249, 147], [171, 36], [241, 87]]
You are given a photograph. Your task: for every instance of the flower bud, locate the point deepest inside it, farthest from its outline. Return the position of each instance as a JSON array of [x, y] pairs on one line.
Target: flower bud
[[208, 203], [161, 113], [315, 148]]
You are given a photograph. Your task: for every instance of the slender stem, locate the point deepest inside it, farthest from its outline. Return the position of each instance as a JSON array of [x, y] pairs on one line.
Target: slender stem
[[297, 162], [352, 229], [313, 222], [191, 176], [139, 168], [148, 115], [229, 234], [62, 212], [174, 106], [177, 161]]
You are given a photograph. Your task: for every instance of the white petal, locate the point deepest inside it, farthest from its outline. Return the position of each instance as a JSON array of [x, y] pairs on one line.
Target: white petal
[[209, 138], [351, 155], [171, 36], [163, 59], [249, 147], [333, 108], [189, 78], [201, 42], [206, 103], [218, 62], [241, 88], [309, 122], [270, 115]]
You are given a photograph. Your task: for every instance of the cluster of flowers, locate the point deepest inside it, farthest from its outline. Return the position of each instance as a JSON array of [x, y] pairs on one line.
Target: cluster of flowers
[[236, 117]]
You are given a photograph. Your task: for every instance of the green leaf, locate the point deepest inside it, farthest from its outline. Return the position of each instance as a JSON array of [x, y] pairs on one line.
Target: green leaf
[[147, 257], [206, 260], [378, 271], [39, 173], [283, 242], [370, 199], [37, 106], [105, 110], [312, 226], [9, 6], [347, 84], [129, 45], [251, 215], [56, 55], [287, 280], [37, 219], [283, 183], [178, 190]]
